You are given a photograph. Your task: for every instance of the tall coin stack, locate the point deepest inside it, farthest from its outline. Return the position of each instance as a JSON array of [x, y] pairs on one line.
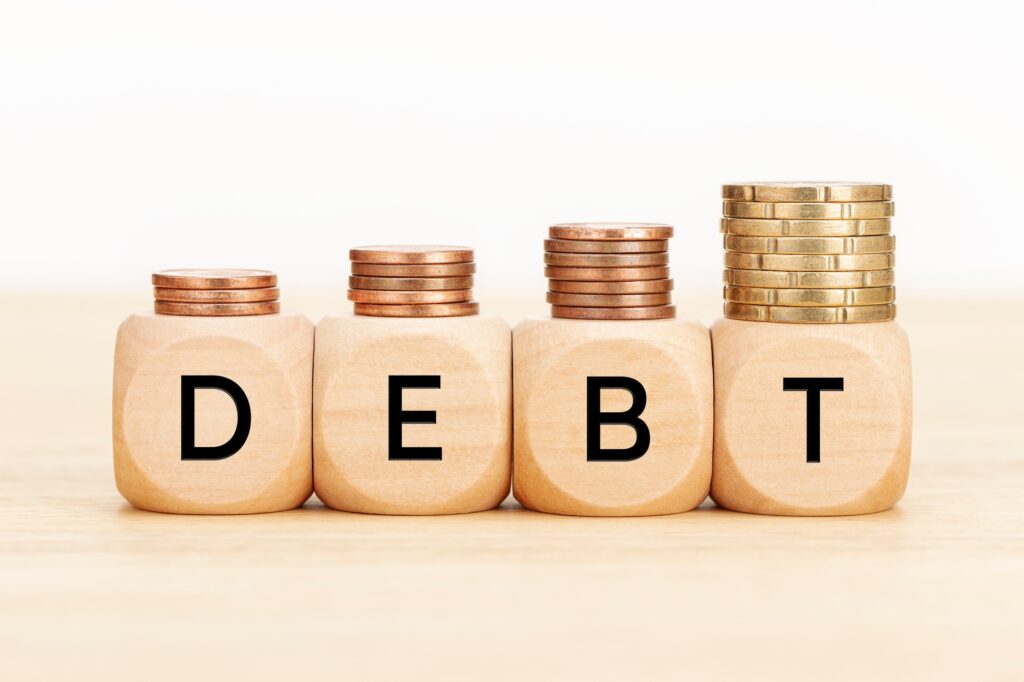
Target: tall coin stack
[[412, 281], [809, 252], [215, 292], [609, 271]]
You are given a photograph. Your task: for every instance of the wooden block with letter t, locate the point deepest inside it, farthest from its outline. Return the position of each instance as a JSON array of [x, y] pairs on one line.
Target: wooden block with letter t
[[810, 419], [412, 415], [612, 417], [212, 414]]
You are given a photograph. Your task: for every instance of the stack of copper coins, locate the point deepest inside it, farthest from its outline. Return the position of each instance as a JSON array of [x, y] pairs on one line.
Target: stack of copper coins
[[609, 271], [809, 252], [215, 292], [412, 281]]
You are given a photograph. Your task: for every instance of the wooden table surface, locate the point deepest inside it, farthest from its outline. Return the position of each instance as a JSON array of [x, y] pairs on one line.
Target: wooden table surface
[[90, 588]]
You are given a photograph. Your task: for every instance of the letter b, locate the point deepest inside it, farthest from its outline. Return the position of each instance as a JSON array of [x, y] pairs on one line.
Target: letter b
[[630, 417]]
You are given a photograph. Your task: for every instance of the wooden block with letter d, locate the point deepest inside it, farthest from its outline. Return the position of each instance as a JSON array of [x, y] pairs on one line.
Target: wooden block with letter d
[[613, 397], [412, 394], [212, 398]]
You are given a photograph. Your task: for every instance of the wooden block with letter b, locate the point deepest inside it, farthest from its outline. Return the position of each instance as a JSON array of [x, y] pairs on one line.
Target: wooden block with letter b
[[613, 397], [212, 398], [412, 394]]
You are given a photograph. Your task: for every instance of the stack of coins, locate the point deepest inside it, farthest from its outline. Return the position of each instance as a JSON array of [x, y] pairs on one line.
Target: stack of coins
[[215, 292], [609, 271], [412, 281], [809, 252]]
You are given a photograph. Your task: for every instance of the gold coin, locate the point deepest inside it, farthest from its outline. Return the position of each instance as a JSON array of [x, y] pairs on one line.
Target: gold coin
[[215, 309], [809, 280], [409, 297], [605, 246], [811, 245], [216, 295], [606, 260], [605, 274], [808, 263], [645, 286], [608, 300], [440, 270], [657, 312], [424, 310], [811, 297], [214, 278], [815, 211], [834, 315], [613, 231], [807, 191], [410, 283], [758, 227], [409, 254]]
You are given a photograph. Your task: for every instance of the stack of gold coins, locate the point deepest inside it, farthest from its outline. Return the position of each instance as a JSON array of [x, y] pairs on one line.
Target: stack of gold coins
[[215, 292], [809, 252], [412, 281], [609, 271]]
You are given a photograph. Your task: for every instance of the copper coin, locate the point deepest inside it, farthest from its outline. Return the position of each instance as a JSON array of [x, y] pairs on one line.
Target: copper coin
[[605, 246], [606, 260], [608, 300], [216, 309], [425, 310], [615, 231], [216, 295], [409, 297], [214, 278], [410, 254], [647, 286], [410, 283], [439, 270], [605, 274], [658, 312]]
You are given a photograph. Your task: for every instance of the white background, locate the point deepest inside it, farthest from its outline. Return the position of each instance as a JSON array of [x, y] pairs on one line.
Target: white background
[[138, 135]]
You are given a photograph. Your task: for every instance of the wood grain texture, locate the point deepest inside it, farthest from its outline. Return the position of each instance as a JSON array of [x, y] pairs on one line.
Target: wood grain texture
[[269, 356], [553, 360], [760, 461], [355, 355], [91, 588]]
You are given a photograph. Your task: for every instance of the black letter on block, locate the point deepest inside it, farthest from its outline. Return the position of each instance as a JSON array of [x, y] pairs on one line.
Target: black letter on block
[[631, 417], [189, 450], [397, 416], [814, 387]]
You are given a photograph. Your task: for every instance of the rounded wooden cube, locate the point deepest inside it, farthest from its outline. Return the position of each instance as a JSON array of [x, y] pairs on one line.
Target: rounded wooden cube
[[556, 360], [412, 415], [770, 429], [268, 357]]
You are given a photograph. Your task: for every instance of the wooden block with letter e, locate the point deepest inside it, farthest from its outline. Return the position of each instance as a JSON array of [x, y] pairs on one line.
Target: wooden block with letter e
[[412, 393], [612, 418], [212, 398], [811, 419]]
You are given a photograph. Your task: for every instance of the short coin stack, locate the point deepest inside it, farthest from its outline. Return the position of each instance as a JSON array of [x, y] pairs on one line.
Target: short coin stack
[[215, 292], [412, 281], [808, 252], [609, 271]]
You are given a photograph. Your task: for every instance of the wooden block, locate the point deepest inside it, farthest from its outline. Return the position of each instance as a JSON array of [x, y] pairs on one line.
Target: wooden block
[[159, 367], [449, 379], [662, 365], [770, 380]]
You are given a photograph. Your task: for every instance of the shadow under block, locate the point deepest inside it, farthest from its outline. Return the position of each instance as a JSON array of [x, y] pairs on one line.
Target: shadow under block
[[270, 357], [554, 361], [761, 431], [468, 416]]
